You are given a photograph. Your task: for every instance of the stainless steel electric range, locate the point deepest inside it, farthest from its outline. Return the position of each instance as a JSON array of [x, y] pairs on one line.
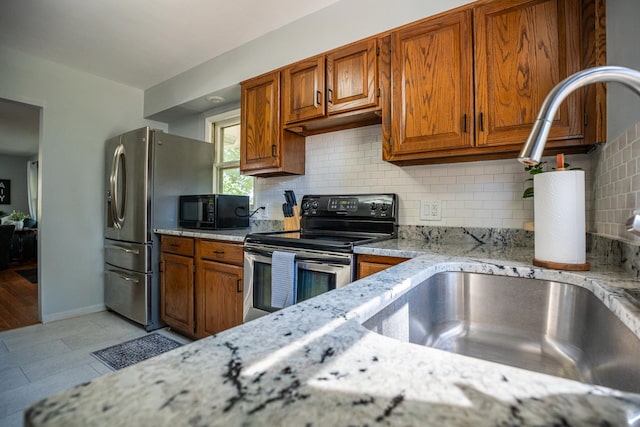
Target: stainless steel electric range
[[330, 227]]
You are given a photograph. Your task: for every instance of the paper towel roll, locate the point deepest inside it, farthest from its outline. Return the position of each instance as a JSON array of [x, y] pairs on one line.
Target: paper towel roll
[[559, 214]]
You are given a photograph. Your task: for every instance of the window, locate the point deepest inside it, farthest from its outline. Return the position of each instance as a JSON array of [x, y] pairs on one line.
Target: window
[[225, 136]]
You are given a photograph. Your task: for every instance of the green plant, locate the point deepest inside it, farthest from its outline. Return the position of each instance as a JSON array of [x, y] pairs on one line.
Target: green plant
[[534, 170], [18, 216]]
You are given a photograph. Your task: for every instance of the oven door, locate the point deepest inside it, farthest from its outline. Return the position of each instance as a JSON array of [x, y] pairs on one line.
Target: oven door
[[318, 272]]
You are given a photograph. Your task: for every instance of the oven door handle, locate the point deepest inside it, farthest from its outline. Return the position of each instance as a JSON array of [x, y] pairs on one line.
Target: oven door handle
[[316, 260]]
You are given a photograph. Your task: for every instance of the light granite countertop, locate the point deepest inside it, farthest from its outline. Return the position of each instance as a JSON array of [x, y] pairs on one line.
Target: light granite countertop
[[314, 364], [232, 235]]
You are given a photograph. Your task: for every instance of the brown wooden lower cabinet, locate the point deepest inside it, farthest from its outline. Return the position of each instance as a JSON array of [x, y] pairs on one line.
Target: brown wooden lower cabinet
[[201, 285], [177, 291], [219, 290], [371, 264]]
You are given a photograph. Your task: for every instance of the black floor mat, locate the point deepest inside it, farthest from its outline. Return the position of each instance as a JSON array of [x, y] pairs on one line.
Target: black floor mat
[[128, 353], [30, 274]]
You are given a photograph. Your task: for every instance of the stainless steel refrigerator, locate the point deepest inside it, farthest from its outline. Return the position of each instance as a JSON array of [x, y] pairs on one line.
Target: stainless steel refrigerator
[[146, 171]]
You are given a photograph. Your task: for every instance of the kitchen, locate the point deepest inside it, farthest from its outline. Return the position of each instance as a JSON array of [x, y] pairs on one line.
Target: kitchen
[[59, 126]]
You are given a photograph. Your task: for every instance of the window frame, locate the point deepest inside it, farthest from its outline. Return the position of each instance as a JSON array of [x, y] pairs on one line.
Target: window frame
[[228, 118]]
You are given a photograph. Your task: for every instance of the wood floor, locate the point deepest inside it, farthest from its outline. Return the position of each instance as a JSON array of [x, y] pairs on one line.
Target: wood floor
[[18, 299]]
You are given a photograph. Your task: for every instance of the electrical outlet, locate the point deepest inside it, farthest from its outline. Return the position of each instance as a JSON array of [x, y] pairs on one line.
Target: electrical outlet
[[430, 210]]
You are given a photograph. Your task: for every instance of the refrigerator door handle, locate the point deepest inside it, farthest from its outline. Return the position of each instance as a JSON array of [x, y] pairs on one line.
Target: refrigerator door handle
[[117, 211], [125, 250], [123, 277]]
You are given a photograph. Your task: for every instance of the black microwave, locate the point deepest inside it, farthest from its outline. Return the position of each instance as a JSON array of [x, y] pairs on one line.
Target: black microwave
[[213, 211]]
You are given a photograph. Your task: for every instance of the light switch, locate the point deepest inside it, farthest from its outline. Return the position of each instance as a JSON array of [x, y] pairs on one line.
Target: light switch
[[430, 210]]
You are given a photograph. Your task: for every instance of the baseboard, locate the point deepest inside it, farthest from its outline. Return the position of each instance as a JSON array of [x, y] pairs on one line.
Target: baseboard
[[73, 313]]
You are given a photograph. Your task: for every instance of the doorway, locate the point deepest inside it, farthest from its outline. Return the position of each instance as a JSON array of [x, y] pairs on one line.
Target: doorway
[[19, 196]]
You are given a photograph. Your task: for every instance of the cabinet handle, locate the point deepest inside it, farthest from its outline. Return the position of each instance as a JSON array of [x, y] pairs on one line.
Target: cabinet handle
[[481, 122], [273, 150], [318, 94], [218, 252], [464, 123], [330, 96], [239, 285]]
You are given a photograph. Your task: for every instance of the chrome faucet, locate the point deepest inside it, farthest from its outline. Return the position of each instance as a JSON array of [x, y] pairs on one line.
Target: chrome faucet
[[531, 153]]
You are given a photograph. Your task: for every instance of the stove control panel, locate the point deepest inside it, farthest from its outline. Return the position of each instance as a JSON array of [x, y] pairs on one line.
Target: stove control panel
[[382, 206]]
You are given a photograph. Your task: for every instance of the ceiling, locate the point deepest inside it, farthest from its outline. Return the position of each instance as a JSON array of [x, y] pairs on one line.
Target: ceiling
[[141, 42]]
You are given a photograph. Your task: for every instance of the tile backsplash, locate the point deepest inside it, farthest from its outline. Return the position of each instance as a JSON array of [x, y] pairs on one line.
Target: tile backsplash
[[616, 185], [476, 194]]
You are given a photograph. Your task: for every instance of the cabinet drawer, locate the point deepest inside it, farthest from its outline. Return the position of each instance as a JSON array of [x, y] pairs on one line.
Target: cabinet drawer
[[214, 250], [177, 245]]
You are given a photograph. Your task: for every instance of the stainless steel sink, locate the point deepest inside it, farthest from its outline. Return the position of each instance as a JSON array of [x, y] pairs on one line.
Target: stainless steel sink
[[549, 327]]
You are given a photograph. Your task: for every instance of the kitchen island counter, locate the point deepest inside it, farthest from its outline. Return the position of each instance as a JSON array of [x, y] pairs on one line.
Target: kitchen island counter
[[315, 364]]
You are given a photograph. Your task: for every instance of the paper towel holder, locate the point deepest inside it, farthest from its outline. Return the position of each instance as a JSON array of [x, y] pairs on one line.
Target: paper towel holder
[[554, 265]]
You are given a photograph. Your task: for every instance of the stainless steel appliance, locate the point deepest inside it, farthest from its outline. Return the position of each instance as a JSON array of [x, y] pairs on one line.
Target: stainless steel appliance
[[146, 172], [214, 211], [330, 227]]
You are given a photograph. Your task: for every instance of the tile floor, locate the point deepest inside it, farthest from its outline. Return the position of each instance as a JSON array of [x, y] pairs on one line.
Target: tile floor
[[40, 360]]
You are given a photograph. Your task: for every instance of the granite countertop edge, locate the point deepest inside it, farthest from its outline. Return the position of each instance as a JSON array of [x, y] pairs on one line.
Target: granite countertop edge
[[315, 364], [231, 235]]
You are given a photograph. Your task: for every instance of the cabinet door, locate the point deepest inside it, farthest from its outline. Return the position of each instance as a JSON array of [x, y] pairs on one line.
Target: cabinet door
[[260, 123], [523, 49], [220, 297], [177, 292], [432, 85], [371, 264], [352, 77], [304, 90]]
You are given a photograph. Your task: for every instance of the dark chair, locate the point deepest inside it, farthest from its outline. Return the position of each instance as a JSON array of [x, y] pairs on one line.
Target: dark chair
[[6, 237]]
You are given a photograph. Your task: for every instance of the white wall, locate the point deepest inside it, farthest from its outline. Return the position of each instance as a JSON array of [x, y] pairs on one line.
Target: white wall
[[80, 111], [338, 24], [15, 169]]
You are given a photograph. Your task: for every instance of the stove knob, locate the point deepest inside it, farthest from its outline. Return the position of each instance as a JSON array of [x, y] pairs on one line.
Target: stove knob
[[374, 206], [305, 206], [384, 206], [314, 204]]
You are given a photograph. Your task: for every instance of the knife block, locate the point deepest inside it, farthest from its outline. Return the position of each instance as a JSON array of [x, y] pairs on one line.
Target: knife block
[[292, 223]]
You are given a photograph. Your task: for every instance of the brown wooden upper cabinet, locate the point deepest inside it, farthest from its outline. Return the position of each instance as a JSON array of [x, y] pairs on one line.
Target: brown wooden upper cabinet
[[468, 85], [523, 49], [265, 148], [341, 81], [352, 77], [432, 87], [304, 95]]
